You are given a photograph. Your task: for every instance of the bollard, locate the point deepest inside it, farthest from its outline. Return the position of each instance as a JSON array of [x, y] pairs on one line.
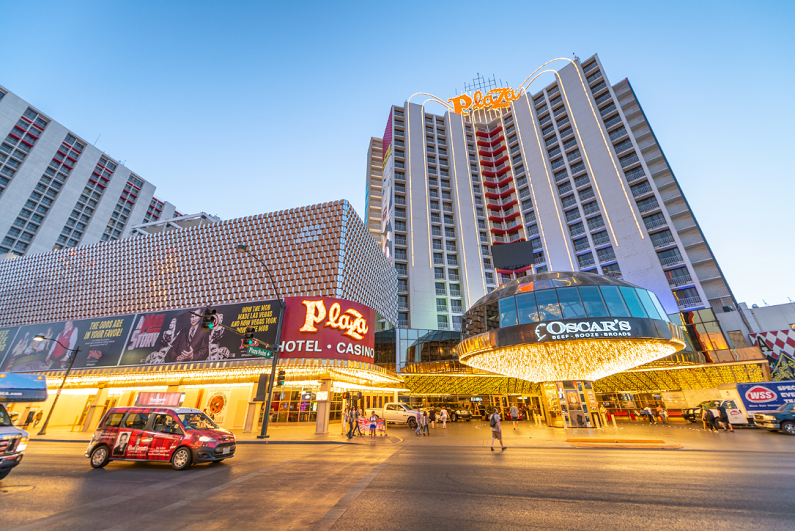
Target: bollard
[[614, 422]]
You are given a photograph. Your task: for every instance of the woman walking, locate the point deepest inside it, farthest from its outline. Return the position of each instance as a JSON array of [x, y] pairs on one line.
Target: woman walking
[[373, 422], [443, 418], [496, 429], [432, 418], [425, 429]]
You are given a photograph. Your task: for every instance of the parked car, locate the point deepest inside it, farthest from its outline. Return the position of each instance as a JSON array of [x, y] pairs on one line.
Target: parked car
[[457, 414], [19, 389], [397, 413], [736, 415], [781, 419], [179, 435]]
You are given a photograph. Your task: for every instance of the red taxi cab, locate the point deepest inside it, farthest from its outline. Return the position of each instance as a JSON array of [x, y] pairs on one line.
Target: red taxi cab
[[179, 435]]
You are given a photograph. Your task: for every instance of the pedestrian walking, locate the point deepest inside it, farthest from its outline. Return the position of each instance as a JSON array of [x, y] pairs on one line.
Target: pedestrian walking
[[443, 418], [373, 423], [496, 428], [603, 414], [356, 415], [647, 411], [418, 418], [709, 419], [432, 418], [724, 418], [662, 413], [425, 422], [351, 423], [515, 416]]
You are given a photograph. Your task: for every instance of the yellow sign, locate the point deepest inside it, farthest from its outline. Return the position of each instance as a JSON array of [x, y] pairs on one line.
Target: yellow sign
[[498, 98]]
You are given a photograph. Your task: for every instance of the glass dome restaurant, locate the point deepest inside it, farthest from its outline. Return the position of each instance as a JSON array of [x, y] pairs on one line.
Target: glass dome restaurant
[[564, 330]]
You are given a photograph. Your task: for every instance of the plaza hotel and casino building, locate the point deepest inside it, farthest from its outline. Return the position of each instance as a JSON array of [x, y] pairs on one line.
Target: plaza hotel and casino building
[[574, 170]]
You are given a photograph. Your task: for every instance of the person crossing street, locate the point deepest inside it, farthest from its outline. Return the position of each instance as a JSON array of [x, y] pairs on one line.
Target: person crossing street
[[515, 416]]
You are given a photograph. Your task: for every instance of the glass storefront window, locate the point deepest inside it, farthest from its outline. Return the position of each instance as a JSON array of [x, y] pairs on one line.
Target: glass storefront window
[[526, 306], [570, 303], [592, 301], [548, 308], [648, 305], [659, 306], [507, 312], [633, 302], [614, 301]]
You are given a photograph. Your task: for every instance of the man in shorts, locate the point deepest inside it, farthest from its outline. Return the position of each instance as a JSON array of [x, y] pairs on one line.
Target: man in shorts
[[496, 428], [515, 416]]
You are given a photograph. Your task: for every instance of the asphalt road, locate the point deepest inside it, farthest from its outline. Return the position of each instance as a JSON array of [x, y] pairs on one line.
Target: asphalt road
[[406, 486]]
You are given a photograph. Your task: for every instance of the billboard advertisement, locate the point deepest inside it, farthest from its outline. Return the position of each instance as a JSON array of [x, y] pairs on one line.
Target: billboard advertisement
[[172, 336], [766, 396], [322, 327]]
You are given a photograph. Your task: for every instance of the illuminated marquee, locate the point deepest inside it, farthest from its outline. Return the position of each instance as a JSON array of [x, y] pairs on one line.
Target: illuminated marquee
[[498, 98], [353, 322]]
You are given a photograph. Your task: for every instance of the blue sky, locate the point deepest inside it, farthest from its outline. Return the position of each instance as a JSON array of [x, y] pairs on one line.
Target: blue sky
[[241, 108]]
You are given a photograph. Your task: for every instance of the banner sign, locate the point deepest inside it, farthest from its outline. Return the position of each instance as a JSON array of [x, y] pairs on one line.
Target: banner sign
[[766, 396], [314, 327], [160, 399], [322, 327], [364, 425]]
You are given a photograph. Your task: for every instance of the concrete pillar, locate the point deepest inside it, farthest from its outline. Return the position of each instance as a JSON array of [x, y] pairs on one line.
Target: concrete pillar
[[95, 410], [323, 408], [251, 412]]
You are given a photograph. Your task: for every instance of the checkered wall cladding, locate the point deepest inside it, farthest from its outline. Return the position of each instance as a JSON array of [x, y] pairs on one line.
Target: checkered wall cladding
[[318, 250]]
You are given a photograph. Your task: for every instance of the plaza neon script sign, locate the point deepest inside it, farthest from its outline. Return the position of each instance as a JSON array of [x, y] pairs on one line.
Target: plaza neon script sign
[[352, 322], [498, 98]]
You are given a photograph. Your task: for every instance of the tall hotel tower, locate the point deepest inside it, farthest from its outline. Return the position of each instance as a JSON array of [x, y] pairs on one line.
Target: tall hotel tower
[[574, 168]]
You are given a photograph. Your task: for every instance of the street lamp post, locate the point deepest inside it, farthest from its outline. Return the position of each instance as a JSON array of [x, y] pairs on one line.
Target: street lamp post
[[74, 352], [242, 248]]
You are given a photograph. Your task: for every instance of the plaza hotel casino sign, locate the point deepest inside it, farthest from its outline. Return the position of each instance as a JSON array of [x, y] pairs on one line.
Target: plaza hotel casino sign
[[322, 327]]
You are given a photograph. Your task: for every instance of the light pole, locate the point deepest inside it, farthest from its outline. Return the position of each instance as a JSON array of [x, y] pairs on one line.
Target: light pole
[[74, 352], [242, 248]]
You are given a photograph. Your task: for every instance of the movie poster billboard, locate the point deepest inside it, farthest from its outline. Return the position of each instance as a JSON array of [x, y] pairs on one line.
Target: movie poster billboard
[[176, 336], [97, 342]]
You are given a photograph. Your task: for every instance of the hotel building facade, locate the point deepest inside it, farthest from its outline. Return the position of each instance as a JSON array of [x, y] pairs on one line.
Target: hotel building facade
[[574, 168], [59, 191]]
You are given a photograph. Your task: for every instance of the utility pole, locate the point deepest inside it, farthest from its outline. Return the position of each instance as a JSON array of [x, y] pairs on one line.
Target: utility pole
[[243, 248]]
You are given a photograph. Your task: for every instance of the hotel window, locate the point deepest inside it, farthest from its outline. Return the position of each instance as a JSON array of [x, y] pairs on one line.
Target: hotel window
[[448, 220], [17, 145]]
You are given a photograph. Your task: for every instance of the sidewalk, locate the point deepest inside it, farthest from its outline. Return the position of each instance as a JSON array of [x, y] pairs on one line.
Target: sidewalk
[[277, 434], [478, 434]]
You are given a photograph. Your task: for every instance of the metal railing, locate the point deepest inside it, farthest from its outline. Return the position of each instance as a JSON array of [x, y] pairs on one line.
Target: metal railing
[[623, 146], [641, 190], [596, 223], [618, 133], [569, 201], [689, 302], [634, 175], [607, 110], [590, 208], [559, 111], [614, 274], [586, 262], [590, 67], [557, 164], [655, 223], [400, 241], [579, 182], [626, 161], [648, 207], [582, 246], [455, 293], [663, 242], [671, 260], [573, 155], [601, 241], [572, 215], [613, 121], [441, 291], [554, 152], [561, 176], [594, 77], [680, 281], [539, 260], [607, 257], [603, 98], [551, 141], [566, 188], [576, 230], [586, 194]]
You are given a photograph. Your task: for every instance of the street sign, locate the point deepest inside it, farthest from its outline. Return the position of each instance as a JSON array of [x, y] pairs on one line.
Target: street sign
[[261, 352]]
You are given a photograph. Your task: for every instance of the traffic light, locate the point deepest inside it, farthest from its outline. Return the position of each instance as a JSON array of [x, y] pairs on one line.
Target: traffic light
[[280, 378], [346, 395], [208, 321], [248, 337]]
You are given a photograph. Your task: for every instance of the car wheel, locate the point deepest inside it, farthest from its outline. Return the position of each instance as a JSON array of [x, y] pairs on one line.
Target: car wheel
[[412, 423], [453, 418], [181, 459], [4, 473], [100, 456], [788, 427]]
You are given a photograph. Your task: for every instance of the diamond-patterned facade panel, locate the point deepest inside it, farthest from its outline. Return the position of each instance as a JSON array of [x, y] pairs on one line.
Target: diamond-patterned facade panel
[[309, 250]]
